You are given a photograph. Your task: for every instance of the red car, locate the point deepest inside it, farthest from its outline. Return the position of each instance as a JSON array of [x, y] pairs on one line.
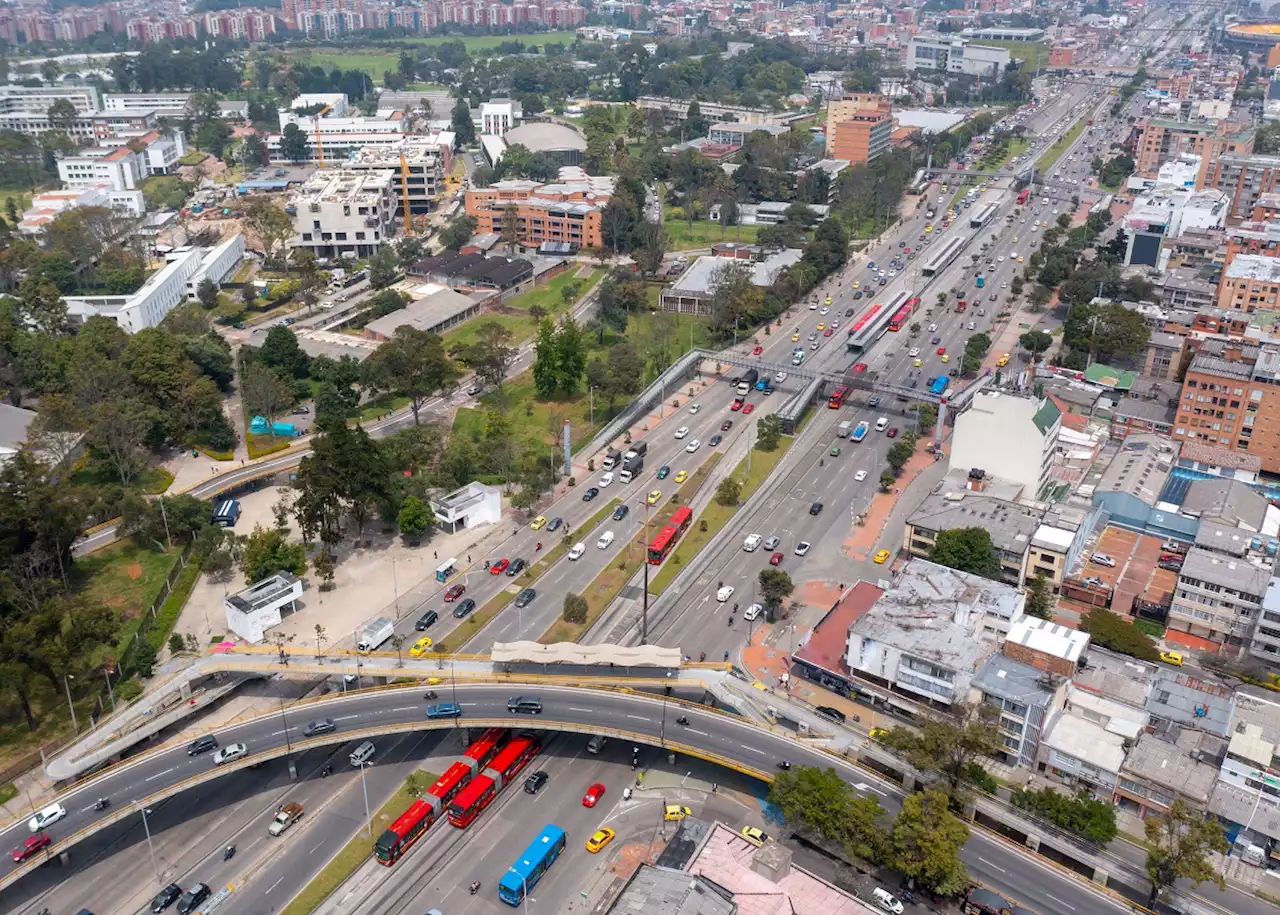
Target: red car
[[775, 559], [859, 367], [454, 592], [893, 432], [594, 793], [748, 408], [499, 567], [757, 351], [737, 405], [942, 351], [31, 845]]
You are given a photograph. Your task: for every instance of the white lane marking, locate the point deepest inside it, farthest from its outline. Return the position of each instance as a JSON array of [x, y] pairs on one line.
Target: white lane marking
[[699, 733], [863, 786], [752, 749], [406, 708], [993, 866], [346, 718], [274, 885], [317, 848], [639, 718], [574, 708], [151, 778]]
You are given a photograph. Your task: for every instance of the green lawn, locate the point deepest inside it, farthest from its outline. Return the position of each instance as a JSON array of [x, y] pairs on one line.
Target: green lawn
[[123, 576], [514, 315], [1051, 155], [684, 236], [1029, 52], [485, 42]]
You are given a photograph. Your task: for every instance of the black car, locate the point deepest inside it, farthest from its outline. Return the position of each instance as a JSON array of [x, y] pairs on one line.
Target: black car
[[427, 619], [533, 784], [192, 898], [320, 726], [166, 897], [462, 608], [590, 494], [516, 567], [815, 508], [715, 440], [937, 340], [554, 524], [202, 745], [726, 425], [620, 512], [525, 598], [833, 713], [848, 312]]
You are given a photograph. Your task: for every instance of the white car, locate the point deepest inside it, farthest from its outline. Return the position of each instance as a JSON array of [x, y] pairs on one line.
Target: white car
[[605, 480], [753, 612], [694, 408], [780, 377], [46, 817], [229, 752], [724, 593], [802, 547], [933, 328], [682, 432], [860, 476], [1000, 258], [693, 446], [913, 352], [813, 306]]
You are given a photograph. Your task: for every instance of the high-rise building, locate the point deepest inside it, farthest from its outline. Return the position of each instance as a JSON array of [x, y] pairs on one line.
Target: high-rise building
[[1231, 399]]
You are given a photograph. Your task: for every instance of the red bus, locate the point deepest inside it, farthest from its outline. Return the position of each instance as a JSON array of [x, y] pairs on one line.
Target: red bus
[[400, 835], [480, 792], [486, 747], [670, 535], [836, 400], [1023, 195], [900, 318]]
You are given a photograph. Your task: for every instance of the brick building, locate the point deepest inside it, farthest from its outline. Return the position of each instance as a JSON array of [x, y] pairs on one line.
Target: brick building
[[1231, 398]]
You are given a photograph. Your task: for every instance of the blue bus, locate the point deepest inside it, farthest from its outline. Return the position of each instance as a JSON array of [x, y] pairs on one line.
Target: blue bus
[[939, 384], [530, 866]]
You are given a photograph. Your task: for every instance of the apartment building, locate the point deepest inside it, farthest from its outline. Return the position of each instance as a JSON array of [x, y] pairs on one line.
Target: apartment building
[[1022, 699], [117, 169], [861, 135], [499, 115], [1231, 397], [567, 212], [1160, 141], [1158, 771], [36, 100], [344, 213], [1246, 177], [1219, 597], [1184, 288], [1027, 430], [1250, 283]]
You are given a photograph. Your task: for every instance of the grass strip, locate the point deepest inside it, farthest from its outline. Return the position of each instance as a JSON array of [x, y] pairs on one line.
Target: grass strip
[[171, 609], [342, 865], [614, 577], [716, 516], [262, 445], [1051, 155], [482, 617]]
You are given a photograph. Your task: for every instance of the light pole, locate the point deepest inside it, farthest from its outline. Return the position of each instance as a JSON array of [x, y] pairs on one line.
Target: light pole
[[368, 817], [524, 886], [71, 705], [150, 847], [288, 744], [591, 397], [453, 676], [107, 674]]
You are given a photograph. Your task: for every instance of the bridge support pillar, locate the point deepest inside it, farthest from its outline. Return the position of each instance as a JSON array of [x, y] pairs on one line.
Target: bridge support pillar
[[293, 770], [909, 783], [1101, 876], [1033, 843]]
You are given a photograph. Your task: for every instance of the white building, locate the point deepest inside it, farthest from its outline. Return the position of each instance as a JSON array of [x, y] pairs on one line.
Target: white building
[[251, 612], [953, 54], [425, 159], [499, 115], [332, 133], [1086, 742], [1027, 432], [36, 100], [44, 207], [170, 104], [344, 213], [165, 290], [117, 169], [468, 507], [1168, 211]]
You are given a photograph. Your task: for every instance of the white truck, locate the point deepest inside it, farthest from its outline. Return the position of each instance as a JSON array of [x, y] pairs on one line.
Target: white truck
[[285, 817], [373, 635], [843, 431]]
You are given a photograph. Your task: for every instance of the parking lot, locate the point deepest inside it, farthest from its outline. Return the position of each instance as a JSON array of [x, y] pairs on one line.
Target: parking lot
[[1136, 574]]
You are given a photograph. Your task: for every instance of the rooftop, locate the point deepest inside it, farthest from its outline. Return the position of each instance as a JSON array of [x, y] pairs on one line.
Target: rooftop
[[1009, 679], [1117, 677], [264, 592], [1084, 740], [1237, 574], [1253, 707], [342, 186], [1239, 805], [824, 647], [541, 136], [1253, 267], [1140, 468], [702, 276], [1049, 638], [1229, 501], [1010, 525], [437, 307], [666, 891], [1170, 764]]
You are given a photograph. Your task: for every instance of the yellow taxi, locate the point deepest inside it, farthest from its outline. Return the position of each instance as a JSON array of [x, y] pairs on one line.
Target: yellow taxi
[[917, 362], [420, 647], [822, 325], [1172, 657], [946, 357], [828, 300], [929, 227], [1020, 258], [795, 338], [755, 835], [653, 497], [681, 476], [877, 733], [599, 839], [539, 523], [881, 556], [676, 812], [1015, 239], [1003, 360], [857, 284]]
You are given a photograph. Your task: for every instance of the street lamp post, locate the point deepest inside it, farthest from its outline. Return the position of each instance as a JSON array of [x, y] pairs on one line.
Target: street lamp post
[[150, 847], [368, 817], [287, 742], [71, 705], [524, 885], [107, 674]]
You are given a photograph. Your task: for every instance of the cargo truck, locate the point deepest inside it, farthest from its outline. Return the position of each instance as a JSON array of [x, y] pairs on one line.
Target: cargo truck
[[636, 451], [747, 382], [612, 459], [373, 635], [843, 430], [285, 817]]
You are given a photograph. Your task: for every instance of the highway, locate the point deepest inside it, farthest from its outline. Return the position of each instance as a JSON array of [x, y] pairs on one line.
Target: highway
[[639, 718]]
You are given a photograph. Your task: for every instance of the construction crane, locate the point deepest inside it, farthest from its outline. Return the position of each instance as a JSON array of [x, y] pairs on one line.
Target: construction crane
[[319, 145], [404, 194]]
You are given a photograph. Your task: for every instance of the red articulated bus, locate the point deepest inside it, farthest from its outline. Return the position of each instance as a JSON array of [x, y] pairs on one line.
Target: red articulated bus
[[1023, 195], [836, 400], [479, 794], [409, 827], [670, 535], [900, 318]]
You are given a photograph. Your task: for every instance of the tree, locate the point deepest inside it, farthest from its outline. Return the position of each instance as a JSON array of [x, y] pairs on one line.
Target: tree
[[967, 549], [491, 355], [928, 415], [409, 251], [575, 608], [948, 747], [323, 566], [293, 144], [383, 268], [545, 356], [253, 152], [1035, 342], [1178, 847], [412, 364], [267, 551], [775, 585], [728, 492], [927, 841], [62, 115], [509, 234], [464, 129], [281, 351], [458, 231], [415, 517], [1080, 814], [207, 293], [820, 801], [1109, 331], [271, 224], [264, 393], [768, 433], [1039, 597], [1108, 630]]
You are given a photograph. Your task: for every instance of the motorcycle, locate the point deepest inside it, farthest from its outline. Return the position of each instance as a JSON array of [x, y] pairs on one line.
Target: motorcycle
[[702, 656], [228, 853], [102, 804], [626, 794], [327, 770], [475, 887], [731, 622], [537, 547], [784, 765], [682, 720], [431, 694]]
